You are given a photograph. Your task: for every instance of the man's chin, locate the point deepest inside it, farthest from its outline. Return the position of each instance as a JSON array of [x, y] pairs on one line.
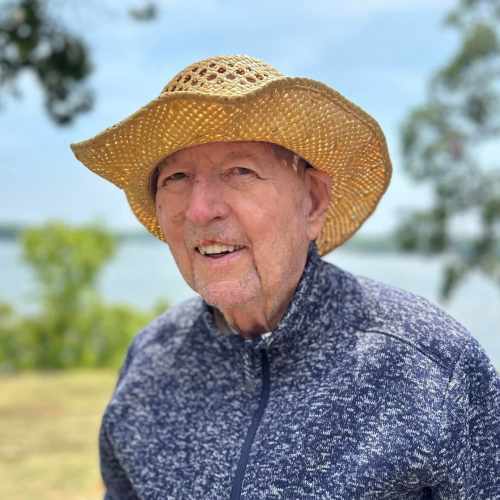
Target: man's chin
[[227, 294]]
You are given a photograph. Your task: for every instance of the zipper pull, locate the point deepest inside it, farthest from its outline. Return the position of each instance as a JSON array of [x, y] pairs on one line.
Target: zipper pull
[[247, 367], [268, 339]]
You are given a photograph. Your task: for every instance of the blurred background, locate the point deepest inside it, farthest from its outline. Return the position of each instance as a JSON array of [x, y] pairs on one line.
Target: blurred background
[[79, 276]]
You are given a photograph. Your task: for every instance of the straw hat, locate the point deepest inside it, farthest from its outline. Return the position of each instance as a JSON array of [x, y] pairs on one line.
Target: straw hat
[[240, 98]]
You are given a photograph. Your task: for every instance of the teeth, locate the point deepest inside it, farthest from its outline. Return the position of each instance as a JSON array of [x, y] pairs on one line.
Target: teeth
[[217, 248]]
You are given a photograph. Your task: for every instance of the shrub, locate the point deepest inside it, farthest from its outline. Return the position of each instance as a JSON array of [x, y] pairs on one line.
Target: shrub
[[74, 326]]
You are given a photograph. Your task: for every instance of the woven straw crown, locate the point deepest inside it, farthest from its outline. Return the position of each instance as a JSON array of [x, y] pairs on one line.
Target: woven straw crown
[[240, 98], [230, 76]]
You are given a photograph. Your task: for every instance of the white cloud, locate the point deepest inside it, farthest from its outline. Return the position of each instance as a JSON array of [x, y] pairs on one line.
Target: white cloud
[[356, 7], [364, 8]]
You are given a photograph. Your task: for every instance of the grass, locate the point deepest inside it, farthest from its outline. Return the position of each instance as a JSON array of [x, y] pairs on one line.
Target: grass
[[48, 434]]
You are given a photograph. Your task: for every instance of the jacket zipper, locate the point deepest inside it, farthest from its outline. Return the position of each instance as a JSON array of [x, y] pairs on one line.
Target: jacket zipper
[[252, 430]]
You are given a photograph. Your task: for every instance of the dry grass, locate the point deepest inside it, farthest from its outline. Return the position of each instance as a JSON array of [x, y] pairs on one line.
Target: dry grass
[[48, 434]]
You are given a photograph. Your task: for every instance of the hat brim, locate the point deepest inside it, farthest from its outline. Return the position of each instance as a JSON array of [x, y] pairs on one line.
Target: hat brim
[[302, 115]]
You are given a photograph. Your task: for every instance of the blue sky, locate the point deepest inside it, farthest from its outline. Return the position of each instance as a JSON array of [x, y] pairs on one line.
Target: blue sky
[[378, 53]]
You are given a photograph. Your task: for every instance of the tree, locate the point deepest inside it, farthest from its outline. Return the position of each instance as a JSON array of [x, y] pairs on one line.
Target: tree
[[66, 262], [451, 143], [31, 39]]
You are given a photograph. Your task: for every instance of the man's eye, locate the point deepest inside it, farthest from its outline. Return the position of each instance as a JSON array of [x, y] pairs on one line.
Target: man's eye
[[177, 176], [242, 171]]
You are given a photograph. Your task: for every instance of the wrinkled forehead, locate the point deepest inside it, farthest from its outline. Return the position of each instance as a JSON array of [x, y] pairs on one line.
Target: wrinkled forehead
[[221, 151]]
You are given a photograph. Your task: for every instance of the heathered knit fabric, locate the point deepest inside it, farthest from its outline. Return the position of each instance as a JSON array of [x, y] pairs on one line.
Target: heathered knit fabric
[[373, 393]]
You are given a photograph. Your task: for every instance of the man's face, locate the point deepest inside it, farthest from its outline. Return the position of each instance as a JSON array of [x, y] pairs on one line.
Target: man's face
[[237, 221]]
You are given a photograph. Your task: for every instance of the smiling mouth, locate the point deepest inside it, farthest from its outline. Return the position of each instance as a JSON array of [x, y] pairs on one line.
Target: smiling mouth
[[217, 250]]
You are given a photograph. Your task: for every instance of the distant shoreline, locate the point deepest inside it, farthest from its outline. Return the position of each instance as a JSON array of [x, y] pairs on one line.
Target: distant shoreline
[[372, 244], [359, 243]]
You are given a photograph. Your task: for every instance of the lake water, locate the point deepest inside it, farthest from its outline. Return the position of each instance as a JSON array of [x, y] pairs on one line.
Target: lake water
[[144, 272]]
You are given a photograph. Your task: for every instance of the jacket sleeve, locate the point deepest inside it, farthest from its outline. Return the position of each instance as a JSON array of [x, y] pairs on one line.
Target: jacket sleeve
[[471, 437], [116, 483]]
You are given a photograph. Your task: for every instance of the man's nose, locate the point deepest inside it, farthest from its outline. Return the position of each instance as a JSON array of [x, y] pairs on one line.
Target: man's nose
[[206, 202]]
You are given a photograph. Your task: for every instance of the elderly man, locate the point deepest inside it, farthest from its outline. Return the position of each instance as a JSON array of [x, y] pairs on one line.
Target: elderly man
[[288, 378]]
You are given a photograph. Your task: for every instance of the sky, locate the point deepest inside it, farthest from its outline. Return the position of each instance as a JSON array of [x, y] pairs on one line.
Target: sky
[[380, 54]]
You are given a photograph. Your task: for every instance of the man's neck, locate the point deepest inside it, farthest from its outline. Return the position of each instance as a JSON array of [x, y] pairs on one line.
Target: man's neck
[[249, 322], [253, 319]]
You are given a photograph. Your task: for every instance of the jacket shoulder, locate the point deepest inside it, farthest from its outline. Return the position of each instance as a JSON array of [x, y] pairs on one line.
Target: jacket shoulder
[[410, 318], [158, 342], [170, 325]]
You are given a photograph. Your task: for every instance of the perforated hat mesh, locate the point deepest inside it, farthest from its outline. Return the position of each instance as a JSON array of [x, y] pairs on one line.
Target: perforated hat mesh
[[227, 75]]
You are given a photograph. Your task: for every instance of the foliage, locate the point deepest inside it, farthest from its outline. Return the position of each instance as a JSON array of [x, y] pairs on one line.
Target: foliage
[[451, 143], [66, 262], [74, 327], [32, 40]]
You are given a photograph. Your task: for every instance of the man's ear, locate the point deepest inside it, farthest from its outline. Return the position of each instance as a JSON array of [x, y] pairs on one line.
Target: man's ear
[[318, 185]]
